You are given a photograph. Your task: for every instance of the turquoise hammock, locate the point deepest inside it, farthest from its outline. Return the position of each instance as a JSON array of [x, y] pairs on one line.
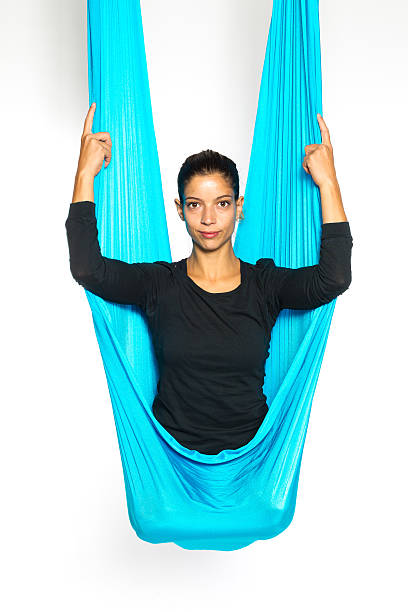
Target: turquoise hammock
[[175, 494]]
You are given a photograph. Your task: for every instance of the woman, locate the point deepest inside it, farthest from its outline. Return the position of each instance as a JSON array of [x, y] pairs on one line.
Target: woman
[[210, 314]]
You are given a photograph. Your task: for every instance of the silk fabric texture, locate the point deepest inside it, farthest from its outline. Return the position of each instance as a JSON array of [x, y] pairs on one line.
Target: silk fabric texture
[[175, 494]]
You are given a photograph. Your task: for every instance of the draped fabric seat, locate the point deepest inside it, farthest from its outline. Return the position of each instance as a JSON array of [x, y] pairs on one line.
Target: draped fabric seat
[[175, 494]]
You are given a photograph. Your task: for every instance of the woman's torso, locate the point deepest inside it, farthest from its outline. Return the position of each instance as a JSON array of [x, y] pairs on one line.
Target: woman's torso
[[211, 350]]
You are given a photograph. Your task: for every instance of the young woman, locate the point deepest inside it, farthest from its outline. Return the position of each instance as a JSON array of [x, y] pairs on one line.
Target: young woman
[[210, 314]]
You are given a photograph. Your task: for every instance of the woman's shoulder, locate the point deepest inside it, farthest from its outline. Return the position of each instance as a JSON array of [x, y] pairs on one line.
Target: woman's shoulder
[[264, 272], [164, 271], [166, 267], [261, 265]]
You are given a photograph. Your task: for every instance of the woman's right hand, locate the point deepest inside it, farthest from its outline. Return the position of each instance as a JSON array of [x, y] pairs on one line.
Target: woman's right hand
[[95, 148]]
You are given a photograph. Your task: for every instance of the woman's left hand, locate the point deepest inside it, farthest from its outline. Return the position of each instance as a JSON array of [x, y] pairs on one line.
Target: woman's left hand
[[319, 160]]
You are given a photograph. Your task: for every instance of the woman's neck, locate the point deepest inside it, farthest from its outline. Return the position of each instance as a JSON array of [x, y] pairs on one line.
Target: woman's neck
[[214, 271]]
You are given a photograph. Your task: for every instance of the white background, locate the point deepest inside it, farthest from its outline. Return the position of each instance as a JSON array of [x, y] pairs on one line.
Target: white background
[[66, 541]]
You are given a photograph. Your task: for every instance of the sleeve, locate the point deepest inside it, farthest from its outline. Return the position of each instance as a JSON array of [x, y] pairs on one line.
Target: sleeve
[[312, 286], [111, 279]]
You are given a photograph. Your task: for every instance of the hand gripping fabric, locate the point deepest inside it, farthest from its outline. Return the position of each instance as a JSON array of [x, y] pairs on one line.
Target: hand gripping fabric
[[174, 494]]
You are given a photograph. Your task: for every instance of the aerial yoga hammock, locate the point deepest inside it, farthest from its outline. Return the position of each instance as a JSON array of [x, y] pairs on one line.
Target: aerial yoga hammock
[[174, 494]]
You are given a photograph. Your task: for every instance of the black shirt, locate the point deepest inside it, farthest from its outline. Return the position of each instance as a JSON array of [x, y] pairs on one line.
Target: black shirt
[[211, 348]]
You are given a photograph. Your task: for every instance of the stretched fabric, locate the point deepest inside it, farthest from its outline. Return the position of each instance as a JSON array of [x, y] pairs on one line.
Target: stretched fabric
[[175, 494]]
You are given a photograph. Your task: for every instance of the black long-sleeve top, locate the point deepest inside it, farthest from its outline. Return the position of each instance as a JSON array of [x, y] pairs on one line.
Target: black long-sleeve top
[[211, 348]]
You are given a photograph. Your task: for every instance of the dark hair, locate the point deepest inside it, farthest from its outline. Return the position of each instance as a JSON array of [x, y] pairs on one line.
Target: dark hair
[[208, 162]]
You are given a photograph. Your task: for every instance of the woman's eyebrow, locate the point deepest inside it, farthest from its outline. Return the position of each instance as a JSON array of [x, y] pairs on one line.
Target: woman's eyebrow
[[218, 197]]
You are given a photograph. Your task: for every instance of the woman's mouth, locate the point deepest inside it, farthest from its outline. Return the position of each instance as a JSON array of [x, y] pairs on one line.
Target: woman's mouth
[[209, 234]]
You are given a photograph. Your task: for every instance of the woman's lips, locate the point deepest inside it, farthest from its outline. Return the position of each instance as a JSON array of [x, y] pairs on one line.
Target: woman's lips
[[209, 234]]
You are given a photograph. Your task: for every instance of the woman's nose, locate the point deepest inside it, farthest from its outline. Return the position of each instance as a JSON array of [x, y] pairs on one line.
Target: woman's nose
[[208, 218]]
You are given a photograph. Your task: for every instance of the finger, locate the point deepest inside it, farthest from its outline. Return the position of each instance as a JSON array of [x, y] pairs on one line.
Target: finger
[[312, 147], [108, 154], [106, 148], [108, 158], [324, 130], [89, 120], [103, 137], [305, 168]]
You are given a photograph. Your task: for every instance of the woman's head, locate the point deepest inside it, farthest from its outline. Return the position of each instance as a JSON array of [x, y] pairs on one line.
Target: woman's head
[[208, 186]]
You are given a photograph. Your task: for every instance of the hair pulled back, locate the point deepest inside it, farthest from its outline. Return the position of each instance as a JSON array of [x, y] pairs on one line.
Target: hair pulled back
[[205, 163]]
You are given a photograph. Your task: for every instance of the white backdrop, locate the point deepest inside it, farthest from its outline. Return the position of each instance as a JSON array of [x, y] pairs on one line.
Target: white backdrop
[[66, 541]]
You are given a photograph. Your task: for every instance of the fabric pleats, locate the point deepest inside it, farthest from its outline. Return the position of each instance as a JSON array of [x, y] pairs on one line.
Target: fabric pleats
[[175, 494]]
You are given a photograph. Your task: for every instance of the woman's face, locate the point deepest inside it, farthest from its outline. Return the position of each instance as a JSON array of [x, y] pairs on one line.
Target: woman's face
[[209, 206]]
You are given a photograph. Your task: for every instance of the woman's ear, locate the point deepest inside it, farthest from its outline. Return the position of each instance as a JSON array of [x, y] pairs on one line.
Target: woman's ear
[[240, 204], [179, 207]]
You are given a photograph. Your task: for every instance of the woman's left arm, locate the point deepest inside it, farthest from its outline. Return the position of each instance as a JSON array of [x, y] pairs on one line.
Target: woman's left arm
[[319, 163], [312, 286]]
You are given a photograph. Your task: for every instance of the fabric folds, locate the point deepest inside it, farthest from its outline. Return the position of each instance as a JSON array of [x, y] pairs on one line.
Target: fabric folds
[[175, 494]]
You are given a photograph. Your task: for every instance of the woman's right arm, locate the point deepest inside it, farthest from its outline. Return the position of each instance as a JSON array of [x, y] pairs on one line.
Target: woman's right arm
[[111, 279]]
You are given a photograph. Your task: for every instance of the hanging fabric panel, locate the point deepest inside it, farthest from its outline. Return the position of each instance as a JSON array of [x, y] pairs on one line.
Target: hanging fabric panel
[[175, 494]]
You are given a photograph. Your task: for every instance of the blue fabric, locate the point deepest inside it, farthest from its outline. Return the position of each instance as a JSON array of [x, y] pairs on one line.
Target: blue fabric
[[174, 494]]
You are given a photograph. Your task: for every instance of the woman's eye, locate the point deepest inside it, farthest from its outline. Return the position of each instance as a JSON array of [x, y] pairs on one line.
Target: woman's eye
[[192, 204]]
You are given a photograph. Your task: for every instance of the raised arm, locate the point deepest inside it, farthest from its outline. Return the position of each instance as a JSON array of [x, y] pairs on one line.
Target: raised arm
[[312, 286], [111, 279]]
